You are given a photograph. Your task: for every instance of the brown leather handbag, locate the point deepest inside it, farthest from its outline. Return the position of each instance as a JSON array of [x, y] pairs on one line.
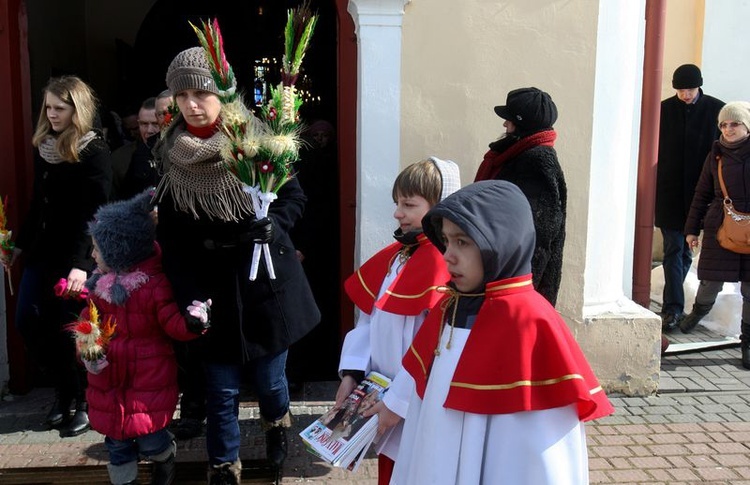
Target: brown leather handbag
[[734, 232]]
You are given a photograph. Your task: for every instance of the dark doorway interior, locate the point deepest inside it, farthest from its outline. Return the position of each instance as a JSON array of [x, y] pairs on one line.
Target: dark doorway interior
[[252, 31], [253, 36]]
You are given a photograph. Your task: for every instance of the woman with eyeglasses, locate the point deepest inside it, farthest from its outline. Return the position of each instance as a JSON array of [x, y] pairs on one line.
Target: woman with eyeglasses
[[718, 265]]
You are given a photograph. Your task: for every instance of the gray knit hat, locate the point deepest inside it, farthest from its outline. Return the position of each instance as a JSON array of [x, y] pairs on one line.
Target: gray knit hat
[[125, 231], [190, 70], [450, 174], [736, 111]]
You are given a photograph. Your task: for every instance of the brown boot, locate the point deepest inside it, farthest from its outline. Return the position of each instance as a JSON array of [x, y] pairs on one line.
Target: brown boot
[[225, 474]]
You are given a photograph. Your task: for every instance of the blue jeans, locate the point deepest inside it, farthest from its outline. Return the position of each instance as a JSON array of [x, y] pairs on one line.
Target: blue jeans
[[223, 402], [677, 260], [148, 445]]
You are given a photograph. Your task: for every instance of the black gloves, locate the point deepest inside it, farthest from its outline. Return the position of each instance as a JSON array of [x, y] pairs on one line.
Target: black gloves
[[261, 231]]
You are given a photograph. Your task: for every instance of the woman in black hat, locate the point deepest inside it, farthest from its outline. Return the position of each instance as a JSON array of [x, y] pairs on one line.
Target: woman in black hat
[[525, 155]]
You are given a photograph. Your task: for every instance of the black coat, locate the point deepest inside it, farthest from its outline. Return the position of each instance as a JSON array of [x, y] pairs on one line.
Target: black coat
[[706, 212], [538, 174], [205, 258], [54, 234], [686, 133], [141, 173]]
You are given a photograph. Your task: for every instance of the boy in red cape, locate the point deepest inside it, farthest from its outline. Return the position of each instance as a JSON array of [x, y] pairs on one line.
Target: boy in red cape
[[394, 291], [502, 387]]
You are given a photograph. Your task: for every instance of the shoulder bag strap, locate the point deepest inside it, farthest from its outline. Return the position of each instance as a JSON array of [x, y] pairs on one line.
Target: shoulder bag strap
[[721, 182]]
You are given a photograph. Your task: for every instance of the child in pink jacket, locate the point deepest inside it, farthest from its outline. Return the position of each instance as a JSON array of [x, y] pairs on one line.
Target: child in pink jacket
[[132, 392]]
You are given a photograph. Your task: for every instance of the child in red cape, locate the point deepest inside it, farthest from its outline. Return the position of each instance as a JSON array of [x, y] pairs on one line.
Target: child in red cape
[[502, 387], [394, 290]]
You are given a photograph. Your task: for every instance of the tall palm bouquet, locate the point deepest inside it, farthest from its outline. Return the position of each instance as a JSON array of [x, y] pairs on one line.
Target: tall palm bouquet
[[261, 151]]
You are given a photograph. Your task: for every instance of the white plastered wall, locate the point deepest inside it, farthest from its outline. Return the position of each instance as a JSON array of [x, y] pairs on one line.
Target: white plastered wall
[[378, 30], [457, 61], [622, 337], [726, 50]]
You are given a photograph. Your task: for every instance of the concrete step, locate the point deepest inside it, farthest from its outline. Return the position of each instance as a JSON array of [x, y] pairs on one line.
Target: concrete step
[[188, 473]]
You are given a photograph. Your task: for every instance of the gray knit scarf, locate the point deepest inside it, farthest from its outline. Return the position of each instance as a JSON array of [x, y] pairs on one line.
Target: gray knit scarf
[[197, 179], [48, 147], [732, 145]]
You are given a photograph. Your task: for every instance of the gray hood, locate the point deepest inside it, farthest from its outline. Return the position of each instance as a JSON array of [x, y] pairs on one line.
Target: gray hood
[[497, 216]]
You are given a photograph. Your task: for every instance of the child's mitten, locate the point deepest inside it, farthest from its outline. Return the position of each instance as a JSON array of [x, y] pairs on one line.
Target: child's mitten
[[198, 319], [96, 366]]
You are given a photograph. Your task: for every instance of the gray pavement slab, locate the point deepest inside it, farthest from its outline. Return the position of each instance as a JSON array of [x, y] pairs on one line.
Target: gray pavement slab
[[696, 429]]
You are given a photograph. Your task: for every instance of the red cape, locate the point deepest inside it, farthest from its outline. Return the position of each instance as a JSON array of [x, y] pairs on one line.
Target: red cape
[[519, 356], [413, 290]]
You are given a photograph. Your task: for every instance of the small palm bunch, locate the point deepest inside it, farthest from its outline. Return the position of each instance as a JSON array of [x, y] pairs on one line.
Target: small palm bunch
[[91, 335], [260, 153], [172, 111], [6, 245]]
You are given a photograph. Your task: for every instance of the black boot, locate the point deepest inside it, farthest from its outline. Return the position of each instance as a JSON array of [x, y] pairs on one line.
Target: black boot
[[670, 321], [60, 411], [746, 356], [696, 315], [80, 422], [276, 445], [276, 440], [745, 343], [163, 471], [187, 428]]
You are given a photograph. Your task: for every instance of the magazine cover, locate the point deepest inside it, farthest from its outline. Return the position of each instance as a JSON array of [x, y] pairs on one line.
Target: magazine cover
[[340, 435]]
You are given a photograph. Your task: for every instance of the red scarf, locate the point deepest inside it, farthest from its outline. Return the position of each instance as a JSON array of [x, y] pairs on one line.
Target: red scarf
[[204, 131], [493, 160]]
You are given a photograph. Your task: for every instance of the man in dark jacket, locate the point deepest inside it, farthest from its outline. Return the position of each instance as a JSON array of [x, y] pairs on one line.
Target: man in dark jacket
[[687, 130]]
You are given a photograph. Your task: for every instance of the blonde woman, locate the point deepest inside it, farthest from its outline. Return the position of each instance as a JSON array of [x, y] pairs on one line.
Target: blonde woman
[[72, 176]]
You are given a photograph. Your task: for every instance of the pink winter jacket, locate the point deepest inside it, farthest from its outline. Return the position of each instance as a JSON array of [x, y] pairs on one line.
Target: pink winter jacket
[[136, 393]]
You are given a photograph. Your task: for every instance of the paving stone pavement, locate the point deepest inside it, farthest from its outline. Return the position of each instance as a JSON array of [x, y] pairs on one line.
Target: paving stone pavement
[[695, 430]]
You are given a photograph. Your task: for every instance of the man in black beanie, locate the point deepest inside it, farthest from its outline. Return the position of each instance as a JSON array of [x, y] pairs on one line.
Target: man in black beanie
[[687, 130]]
